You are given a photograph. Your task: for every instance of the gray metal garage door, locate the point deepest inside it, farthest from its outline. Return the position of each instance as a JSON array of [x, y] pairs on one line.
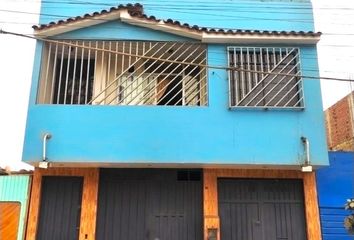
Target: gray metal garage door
[[60, 208], [261, 209], [138, 204]]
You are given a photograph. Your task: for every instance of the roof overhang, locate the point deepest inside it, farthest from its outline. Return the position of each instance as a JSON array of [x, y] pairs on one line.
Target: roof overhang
[[160, 26], [207, 37], [258, 39], [77, 24], [137, 18]]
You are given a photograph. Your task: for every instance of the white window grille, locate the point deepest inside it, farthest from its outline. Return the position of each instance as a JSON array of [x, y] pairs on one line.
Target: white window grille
[[251, 85], [152, 73]]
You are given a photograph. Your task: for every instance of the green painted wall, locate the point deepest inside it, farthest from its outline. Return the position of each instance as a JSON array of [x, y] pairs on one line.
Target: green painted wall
[[15, 189]]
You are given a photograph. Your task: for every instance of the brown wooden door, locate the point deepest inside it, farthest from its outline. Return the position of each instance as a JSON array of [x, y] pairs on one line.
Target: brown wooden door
[[9, 220]]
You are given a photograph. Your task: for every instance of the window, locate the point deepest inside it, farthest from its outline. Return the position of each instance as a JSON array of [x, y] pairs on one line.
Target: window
[[265, 77], [78, 87], [147, 73]]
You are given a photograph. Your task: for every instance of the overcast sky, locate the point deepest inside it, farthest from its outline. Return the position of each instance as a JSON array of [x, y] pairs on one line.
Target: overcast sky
[[336, 58], [336, 48]]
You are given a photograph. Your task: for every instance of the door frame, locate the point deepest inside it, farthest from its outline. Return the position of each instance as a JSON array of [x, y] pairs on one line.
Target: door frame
[[88, 202], [210, 195]]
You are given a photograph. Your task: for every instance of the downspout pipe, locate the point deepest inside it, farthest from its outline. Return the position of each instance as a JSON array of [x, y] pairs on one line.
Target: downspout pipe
[[306, 143], [45, 138]]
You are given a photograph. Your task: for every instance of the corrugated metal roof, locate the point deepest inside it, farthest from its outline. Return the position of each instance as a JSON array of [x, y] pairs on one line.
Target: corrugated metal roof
[[136, 11], [4, 171]]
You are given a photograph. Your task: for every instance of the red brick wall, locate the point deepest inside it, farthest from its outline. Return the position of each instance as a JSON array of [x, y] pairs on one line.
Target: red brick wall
[[340, 124]]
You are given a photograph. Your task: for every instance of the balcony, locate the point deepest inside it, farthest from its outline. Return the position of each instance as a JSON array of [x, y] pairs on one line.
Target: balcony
[[101, 102], [123, 73]]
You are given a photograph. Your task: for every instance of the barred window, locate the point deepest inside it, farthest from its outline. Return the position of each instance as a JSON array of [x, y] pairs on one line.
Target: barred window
[[123, 73], [265, 77]]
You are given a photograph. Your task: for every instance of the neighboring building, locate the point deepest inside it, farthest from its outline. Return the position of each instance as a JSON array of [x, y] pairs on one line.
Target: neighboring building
[[340, 124], [151, 139], [14, 198], [336, 182], [335, 185]]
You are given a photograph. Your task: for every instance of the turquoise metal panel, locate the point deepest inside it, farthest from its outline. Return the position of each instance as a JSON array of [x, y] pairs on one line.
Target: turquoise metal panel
[[15, 188]]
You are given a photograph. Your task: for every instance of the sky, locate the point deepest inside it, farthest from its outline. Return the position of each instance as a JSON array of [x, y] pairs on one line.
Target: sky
[[336, 48], [335, 52]]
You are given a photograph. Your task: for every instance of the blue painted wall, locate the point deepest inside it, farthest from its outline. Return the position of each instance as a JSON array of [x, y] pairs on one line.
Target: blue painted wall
[[241, 14], [335, 184], [202, 135]]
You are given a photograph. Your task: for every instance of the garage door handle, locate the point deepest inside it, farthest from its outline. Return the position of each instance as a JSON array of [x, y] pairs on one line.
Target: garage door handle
[[257, 222]]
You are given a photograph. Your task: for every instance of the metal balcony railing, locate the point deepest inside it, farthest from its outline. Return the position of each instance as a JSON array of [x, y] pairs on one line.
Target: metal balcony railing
[[123, 73]]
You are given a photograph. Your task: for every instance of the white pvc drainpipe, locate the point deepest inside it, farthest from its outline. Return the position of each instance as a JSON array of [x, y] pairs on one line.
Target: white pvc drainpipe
[[45, 138], [306, 143]]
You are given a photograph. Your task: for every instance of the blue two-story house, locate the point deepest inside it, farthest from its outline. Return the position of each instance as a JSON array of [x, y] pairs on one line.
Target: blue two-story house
[[175, 120]]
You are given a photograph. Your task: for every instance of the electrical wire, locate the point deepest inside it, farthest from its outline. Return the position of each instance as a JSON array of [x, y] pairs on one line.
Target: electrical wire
[[65, 16], [260, 4], [174, 61], [176, 11], [190, 10], [115, 28]]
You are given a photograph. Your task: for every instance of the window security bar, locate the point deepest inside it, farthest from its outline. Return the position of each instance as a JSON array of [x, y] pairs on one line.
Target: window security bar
[[262, 90], [81, 75]]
